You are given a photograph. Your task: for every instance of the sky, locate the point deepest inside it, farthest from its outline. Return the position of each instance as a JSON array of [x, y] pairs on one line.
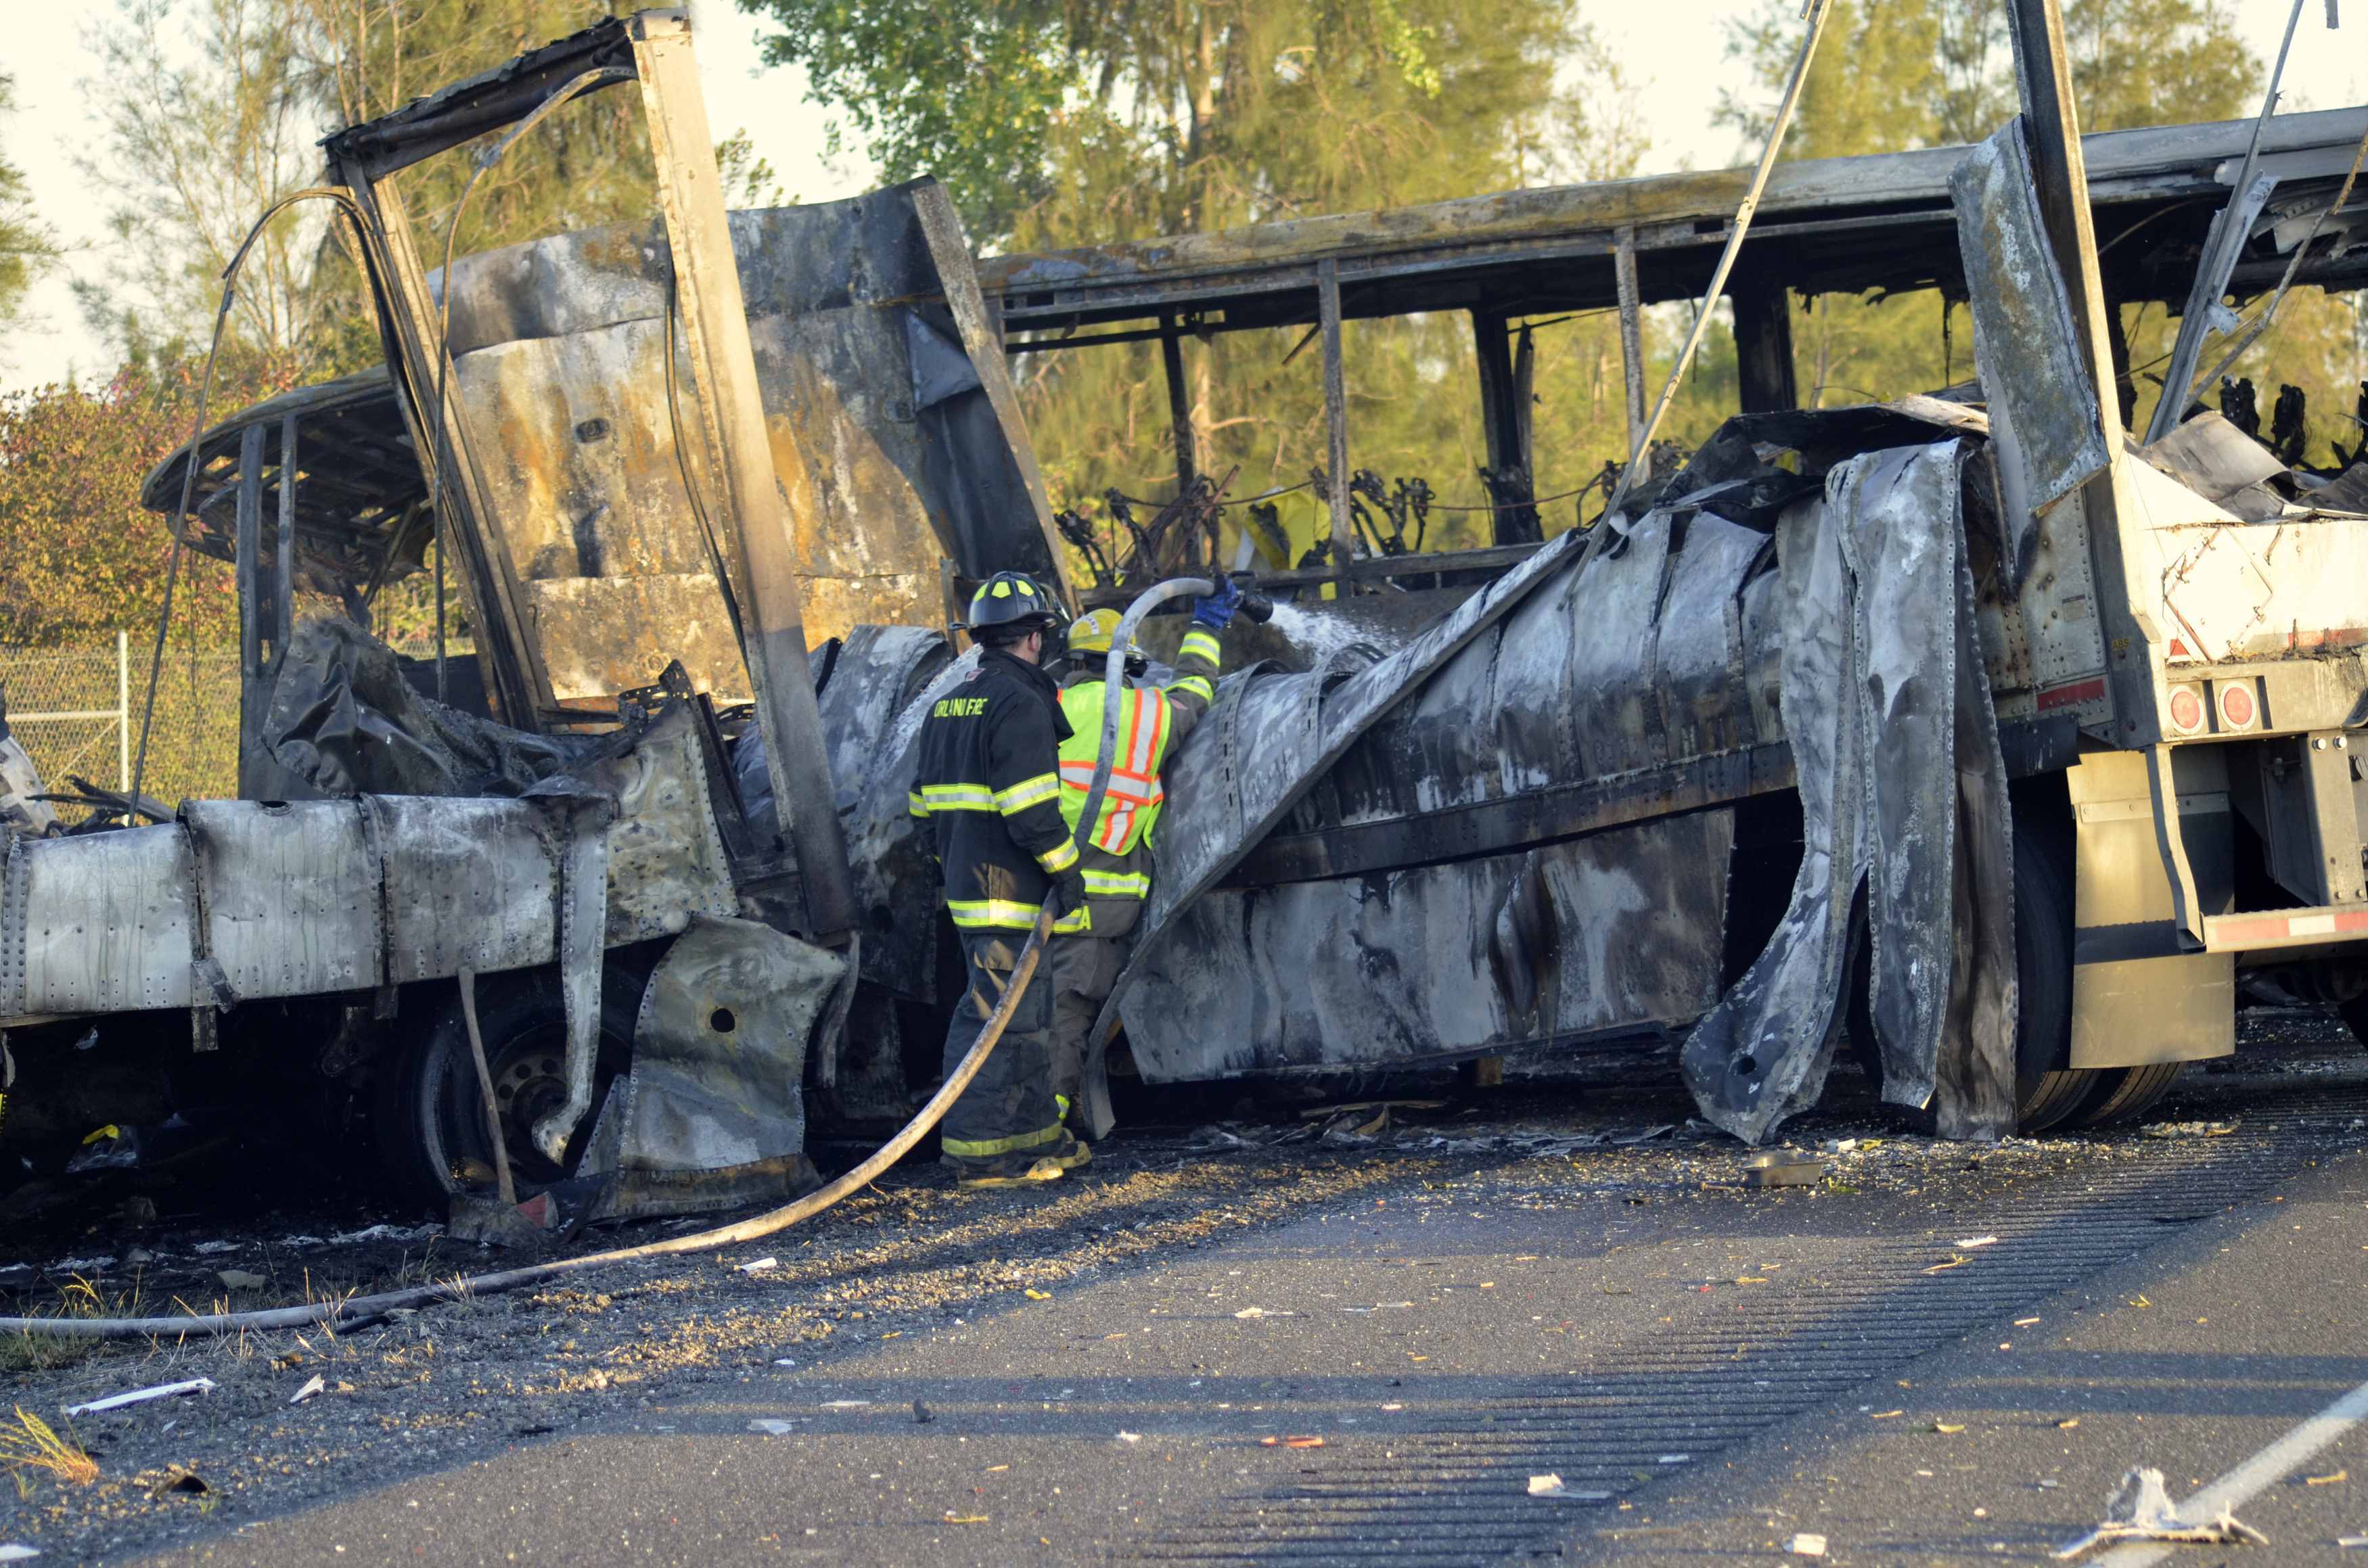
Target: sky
[[1673, 49]]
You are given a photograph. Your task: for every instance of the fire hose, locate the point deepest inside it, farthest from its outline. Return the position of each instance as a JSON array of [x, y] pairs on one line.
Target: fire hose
[[349, 1312]]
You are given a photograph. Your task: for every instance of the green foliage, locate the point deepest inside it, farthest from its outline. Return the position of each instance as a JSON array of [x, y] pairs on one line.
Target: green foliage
[[26, 246], [1058, 121], [1056, 124], [220, 105], [1907, 74], [85, 558]]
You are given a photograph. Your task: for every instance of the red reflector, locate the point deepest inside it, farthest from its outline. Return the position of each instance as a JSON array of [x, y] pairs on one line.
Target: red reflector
[[2186, 708], [2237, 705]]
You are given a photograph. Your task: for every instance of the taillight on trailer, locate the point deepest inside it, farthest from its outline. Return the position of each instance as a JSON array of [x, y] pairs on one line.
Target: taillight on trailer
[[2186, 709], [2238, 708]]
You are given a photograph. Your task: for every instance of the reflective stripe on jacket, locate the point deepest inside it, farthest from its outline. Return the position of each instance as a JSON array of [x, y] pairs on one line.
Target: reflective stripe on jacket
[[1152, 720], [988, 781]]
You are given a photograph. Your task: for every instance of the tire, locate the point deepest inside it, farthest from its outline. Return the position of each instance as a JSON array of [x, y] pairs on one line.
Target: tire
[[2045, 1091], [2125, 1094], [431, 1111]]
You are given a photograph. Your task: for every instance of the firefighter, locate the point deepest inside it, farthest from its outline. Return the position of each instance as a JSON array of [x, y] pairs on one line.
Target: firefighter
[[1117, 864], [988, 782]]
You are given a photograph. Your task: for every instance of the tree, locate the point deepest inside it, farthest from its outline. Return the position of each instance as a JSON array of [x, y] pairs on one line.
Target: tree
[[1054, 123], [85, 559], [25, 245], [225, 104], [1907, 73]]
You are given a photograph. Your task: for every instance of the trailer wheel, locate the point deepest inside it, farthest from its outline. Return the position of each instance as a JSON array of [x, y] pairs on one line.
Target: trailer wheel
[[431, 1120], [2125, 1094], [2045, 1092]]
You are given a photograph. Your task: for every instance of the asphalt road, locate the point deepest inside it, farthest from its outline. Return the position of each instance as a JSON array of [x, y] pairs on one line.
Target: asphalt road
[[1922, 1373]]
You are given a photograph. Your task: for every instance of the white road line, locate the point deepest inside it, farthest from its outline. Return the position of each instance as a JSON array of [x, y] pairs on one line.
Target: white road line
[[2255, 1476]]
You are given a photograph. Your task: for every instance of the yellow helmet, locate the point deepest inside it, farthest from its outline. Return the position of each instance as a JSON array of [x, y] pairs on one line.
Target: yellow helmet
[[1089, 640], [1091, 632]]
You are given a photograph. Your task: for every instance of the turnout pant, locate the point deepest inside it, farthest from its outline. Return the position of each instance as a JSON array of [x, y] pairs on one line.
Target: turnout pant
[[1009, 1108], [1085, 967]]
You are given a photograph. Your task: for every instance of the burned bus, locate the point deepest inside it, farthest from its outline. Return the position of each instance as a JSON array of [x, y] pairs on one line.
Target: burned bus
[[1955, 724]]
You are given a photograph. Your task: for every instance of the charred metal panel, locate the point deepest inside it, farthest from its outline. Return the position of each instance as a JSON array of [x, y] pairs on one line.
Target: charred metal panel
[[98, 923], [876, 688], [286, 895], [666, 856], [1893, 743], [560, 346], [880, 688], [470, 883], [2043, 408], [1560, 663], [1615, 933], [712, 1115]]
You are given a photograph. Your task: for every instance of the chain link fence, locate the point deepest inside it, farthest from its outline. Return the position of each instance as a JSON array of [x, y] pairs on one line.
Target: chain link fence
[[77, 710]]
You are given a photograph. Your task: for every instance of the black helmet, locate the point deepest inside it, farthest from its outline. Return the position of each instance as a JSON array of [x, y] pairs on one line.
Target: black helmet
[[1011, 605]]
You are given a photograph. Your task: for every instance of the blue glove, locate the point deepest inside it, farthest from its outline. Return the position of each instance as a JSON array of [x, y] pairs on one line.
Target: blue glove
[[1216, 611]]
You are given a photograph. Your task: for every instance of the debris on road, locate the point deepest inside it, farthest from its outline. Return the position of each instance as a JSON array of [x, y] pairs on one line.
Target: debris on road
[[759, 1266], [921, 1415], [140, 1396], [14, 1551], [1546, 1487], [1782, 1167], [2140, 1510], [312, 1385], [1806, 1543], [2190, 1129], [1309, 1441], [771, 1425]]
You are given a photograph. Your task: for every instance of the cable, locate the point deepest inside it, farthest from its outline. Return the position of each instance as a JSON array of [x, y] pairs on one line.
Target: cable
[[485, 161], [197, 440], [682, 466], [1817, 12]]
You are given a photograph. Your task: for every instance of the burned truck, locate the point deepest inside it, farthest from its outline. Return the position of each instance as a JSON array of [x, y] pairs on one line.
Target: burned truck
[[1960, 729]]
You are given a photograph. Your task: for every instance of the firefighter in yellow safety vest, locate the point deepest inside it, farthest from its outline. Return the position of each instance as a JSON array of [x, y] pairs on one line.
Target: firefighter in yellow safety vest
[[1152, 721]]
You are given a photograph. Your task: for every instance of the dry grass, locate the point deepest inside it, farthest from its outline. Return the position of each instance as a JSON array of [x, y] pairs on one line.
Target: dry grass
[[30, 1444], [28, 1352]]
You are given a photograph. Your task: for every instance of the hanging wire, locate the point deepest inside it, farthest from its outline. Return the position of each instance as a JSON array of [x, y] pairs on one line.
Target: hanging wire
[[1816, 11], [574, 87], [174, 525]]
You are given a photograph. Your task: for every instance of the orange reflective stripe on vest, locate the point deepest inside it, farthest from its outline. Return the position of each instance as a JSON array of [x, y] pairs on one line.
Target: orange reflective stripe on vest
[[1132, 804]]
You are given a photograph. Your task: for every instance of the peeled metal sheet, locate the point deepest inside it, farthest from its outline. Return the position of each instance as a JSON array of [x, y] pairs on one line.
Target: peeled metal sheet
[[2043, 404], [666, 855], [712, 1114], [1762, 1052], [286, 895], [96, 923], [1893, 743]]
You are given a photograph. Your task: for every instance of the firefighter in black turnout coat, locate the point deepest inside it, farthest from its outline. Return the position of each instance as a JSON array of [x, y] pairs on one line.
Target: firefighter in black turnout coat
[[989, 783]]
